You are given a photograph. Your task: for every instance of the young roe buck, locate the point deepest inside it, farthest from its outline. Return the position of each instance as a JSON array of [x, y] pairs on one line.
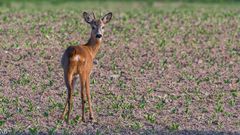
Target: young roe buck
[[78, 60]]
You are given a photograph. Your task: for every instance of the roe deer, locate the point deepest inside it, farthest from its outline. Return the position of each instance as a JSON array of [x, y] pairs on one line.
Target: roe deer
[[78, 60]]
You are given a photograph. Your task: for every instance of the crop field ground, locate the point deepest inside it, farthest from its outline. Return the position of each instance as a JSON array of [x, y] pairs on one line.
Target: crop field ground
[[163, 68]]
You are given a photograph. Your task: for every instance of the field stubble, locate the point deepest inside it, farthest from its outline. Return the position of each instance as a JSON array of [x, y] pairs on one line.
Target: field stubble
[[159, 70]]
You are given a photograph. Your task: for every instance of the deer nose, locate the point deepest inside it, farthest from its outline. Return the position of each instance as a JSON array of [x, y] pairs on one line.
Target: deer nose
[[98, 35]]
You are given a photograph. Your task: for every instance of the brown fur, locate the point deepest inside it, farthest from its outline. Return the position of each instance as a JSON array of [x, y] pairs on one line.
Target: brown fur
[[78, 61]]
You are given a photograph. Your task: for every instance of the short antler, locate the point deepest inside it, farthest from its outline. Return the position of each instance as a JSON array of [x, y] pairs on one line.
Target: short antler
[[93, 16]]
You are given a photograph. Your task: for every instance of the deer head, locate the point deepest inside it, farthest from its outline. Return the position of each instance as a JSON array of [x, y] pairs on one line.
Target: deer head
[[97, 24]]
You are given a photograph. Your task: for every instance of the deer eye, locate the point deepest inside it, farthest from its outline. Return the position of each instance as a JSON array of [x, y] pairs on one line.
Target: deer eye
[[93, 27], [102, 27]]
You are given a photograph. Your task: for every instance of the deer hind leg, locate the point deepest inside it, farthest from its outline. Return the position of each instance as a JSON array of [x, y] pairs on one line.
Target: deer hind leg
[[68, 76], [87, 84], [70, 97], [83, 97], [68, 88], [65, 109]]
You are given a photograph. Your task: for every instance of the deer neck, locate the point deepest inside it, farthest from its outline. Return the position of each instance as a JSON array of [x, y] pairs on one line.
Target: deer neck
[[94, 46]]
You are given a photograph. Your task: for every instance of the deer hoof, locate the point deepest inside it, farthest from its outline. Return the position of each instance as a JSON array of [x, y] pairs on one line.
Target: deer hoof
[[92, 120], [83, 119]]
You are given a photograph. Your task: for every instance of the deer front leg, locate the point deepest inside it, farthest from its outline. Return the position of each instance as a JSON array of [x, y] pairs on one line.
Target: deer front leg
[[89, 98]]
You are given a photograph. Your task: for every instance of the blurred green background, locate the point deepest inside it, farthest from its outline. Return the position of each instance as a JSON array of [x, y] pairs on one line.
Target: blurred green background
[[114, 5]]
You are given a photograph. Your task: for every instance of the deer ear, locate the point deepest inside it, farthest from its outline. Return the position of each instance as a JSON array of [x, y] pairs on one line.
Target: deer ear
[[106, 18], [87, 17]]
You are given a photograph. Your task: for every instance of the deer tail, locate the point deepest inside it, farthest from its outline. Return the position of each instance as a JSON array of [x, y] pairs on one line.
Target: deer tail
[[71, 51]]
